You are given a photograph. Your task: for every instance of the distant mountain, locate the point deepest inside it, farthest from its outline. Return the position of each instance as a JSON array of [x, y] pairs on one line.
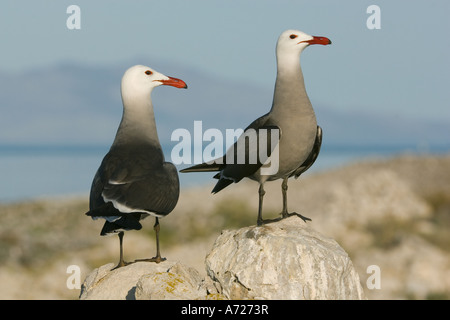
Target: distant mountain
[[71, 104]]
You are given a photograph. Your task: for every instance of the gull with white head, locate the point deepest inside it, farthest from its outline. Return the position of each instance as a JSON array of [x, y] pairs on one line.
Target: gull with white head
[[134, 180], [293, 118]]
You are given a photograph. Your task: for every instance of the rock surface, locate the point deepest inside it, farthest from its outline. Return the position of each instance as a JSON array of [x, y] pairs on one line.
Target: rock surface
[[282, 260], [143, 281]]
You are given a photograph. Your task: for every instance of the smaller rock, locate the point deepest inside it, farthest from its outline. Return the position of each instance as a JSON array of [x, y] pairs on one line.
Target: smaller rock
[[142, 281], [179, 282]]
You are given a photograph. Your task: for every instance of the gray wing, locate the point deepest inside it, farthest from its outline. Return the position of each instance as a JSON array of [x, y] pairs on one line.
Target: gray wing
[[312, 155], [242, 159], [246, 156]]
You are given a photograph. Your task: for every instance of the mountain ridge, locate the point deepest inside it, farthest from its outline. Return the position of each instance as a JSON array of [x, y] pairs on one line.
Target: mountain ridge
[[74, 104]]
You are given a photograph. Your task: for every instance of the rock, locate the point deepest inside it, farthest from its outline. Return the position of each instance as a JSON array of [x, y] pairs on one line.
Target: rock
[[282, 260], [179, 282], [375, 195], [413, 269], [363, 201], [143, 281]]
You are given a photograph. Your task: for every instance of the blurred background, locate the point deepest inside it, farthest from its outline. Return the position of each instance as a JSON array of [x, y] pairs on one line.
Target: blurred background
[[380, 96]]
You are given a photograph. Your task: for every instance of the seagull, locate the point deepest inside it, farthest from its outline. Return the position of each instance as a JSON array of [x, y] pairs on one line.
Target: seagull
[[291, 120], [134, 180]]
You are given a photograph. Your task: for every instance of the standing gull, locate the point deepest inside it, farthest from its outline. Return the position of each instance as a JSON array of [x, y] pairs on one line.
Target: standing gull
[[133, 180], [293, 118]]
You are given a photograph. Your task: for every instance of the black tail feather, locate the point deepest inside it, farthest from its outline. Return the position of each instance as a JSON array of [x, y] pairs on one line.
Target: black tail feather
[[221, 184], [203, 167], [129, 221], [106, 210]]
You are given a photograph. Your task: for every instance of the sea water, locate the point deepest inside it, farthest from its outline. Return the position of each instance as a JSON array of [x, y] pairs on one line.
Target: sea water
[[37, 171]]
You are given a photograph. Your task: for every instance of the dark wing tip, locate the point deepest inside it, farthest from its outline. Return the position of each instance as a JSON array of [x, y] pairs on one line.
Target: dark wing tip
[[221, 184], [203, 167]]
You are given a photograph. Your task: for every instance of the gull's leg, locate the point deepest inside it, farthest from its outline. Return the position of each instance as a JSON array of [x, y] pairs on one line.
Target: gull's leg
[[121, 263], [157, 258], [260, 220], [284, 213]]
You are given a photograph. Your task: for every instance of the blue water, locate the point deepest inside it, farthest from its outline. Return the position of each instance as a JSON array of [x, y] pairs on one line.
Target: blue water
[[34, 172]]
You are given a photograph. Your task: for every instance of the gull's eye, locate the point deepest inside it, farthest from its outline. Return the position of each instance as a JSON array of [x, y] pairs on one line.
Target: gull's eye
[[148, 72], [293, 36]]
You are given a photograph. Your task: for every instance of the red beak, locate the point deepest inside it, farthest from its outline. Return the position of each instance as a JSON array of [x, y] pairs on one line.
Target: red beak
[[318, 40], [174, 82]]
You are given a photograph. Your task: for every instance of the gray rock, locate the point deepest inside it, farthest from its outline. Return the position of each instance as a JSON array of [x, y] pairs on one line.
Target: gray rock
[[282, 260], [142, 281]]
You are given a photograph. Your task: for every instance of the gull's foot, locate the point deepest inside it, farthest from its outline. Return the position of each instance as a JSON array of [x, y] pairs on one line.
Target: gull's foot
[[260, 222], [121, 264], [156, 259], [285, 215]]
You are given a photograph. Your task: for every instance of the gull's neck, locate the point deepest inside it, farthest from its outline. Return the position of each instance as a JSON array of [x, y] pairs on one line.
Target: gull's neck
[[138, 124], [290, 97]]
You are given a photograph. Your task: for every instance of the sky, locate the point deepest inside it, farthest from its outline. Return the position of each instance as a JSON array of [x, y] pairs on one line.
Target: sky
[[398, 73], [400, 68]]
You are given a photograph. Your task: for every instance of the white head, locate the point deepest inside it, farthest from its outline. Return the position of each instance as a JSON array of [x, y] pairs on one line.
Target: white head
[[140, 80], [293, 42]]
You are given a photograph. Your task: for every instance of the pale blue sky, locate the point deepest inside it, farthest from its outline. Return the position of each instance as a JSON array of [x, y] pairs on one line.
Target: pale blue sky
[[402, 68], [399, 72]]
